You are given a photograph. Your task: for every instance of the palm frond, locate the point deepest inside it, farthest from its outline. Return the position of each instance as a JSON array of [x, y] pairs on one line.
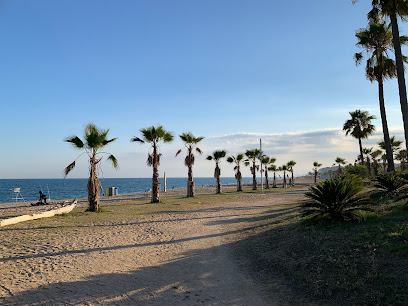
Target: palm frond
[[137, 139], [178, 152], [75, 141], [69, 168], [114, 161]]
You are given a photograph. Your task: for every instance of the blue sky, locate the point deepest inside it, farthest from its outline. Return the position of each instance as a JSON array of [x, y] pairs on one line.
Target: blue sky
[[279, 70]]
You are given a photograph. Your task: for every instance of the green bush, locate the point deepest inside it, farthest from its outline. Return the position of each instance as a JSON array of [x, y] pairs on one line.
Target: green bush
[[338, 199], [359, 170], [390, 184]]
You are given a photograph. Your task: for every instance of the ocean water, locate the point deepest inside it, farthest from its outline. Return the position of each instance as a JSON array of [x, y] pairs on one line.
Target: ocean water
[[59, 189]]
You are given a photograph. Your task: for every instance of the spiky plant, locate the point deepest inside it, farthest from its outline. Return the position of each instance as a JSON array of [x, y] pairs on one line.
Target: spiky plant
[[154, 135], [94, 140], [237, 161], [290, 165], [217, 156], [190, 142], [359, 126], [252, 156], [336, 199], [390, 184], [316, 166]]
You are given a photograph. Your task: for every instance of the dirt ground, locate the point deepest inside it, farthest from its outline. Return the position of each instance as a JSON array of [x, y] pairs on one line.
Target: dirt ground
[[176, 258]]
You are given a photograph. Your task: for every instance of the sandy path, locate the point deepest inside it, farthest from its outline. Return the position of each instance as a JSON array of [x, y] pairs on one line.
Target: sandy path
[[181, 258]]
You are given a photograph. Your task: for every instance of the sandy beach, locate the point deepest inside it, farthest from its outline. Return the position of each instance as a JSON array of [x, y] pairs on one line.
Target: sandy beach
[[173, 257]]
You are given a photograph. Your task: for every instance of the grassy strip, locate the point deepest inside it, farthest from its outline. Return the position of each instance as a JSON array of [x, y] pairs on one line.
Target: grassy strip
[[339, 264]]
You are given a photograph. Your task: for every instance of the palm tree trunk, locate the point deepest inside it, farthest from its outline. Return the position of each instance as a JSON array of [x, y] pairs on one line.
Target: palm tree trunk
[[254, 182], [361, 151], [217, 174], [315, 176], [400, 74], [190, 185], [93, 187], [266, 178], [274, 179], [293, 179], [155, 181], [387, 141], [284, 179], [238, 176]]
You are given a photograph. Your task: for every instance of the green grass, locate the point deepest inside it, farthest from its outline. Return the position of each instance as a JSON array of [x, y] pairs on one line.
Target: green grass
[[338, 264]]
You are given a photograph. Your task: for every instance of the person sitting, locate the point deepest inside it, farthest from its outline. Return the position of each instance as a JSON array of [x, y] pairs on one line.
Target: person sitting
[[43, 198]]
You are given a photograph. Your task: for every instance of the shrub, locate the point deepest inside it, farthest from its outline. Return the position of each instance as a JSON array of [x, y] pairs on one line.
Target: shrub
[[337, 199], [359, 170]]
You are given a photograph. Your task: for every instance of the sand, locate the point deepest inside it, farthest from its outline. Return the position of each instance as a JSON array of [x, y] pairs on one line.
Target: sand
[[177, 258]]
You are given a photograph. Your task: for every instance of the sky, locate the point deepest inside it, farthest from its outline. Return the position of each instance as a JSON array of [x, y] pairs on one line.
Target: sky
[[232, 71]]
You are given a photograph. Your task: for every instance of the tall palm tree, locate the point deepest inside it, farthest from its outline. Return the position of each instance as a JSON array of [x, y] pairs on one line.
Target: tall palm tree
[[268, 162], [394, 9], [154, 135], [94, 140], [237, 161], [340, 161], [376, 39], [316, 166], [252, 156], [273, 168], [360, 127], [217, 156], [290, 165], [190, 142]]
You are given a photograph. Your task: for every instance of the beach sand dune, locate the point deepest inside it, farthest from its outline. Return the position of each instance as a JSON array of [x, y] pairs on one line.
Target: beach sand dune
[[176, 258]]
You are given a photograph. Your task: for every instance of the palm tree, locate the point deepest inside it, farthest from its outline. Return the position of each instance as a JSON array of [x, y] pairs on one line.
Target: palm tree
[[340, 161], [367, 152], [284, 168], [237, 161], [394, 144], [274, 169], [377, 39], [360, 127], [154, 135], [252, 156], [290, 165], [374, 156], [94, 140], [316, 166], [267, 161], [394, 9], [217, 156], [402, 157], [190, 142]]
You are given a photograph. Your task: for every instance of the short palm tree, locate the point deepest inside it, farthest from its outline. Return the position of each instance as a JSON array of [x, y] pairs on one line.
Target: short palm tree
[[267, 162], [375, 157], [367, 153], [94, 140], [336, 199], [252, 156], [376, 40], [340, 161], [284, 168], [217, 156], [190, 142], [402, 157], [274, 169], [316, 166], [394, 144], [237, 161], [290, 165], [360, 127], [154, 135]]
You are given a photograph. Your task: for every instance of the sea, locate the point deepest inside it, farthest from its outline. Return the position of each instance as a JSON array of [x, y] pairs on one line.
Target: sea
[[59, 189]]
